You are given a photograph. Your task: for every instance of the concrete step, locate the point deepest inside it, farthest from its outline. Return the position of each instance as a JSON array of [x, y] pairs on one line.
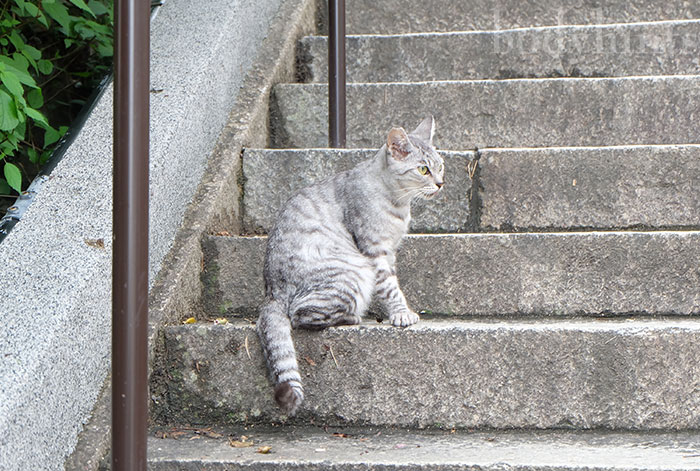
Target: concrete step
[[267, 186], [659, 48], [595, 187], [584, 374], [417, 16], [411, 450], [500, 113], [515, 189], [531, 274]]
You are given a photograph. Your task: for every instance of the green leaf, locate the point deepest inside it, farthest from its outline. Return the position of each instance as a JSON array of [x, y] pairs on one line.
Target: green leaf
[[105, 50], [20, 102], [4, 187], [57, 12], [33, 155], [30, 60], [9, 22], [6, 148], [19, 9], [35, 98], [44, 157], [98, 8], [19, 132], [37, 117], [12, 83], [32, 9], [84, 31], [51, 136], [45, 66], [13, 176], [41, 18], [18, 68], [21, 62], [100, 29], [30, 52], [81, 4], [8, 112], [16, 40], [13, 139]]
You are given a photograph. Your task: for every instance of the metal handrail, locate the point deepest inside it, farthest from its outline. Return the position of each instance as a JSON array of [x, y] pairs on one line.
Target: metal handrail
[[336, 73], [130, 229], [130, 217]]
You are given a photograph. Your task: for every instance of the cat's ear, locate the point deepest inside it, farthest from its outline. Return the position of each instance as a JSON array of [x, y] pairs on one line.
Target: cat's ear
[[426, 130], [398, 144]]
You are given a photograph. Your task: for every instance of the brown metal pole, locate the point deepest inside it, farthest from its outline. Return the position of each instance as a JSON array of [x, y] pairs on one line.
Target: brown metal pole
[[130, 228], [336, 73]]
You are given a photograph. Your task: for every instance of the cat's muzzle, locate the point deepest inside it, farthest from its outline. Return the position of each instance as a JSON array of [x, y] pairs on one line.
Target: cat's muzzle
[[434, 194]]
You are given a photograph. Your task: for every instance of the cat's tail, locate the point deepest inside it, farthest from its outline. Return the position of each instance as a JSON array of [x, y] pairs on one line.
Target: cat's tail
[[275, 332]]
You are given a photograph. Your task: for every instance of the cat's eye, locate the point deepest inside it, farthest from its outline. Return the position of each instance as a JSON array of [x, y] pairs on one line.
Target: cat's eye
[[423, 170]]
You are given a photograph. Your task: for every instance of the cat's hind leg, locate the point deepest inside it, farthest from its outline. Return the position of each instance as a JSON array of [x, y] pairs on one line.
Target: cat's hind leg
[[342, 298]]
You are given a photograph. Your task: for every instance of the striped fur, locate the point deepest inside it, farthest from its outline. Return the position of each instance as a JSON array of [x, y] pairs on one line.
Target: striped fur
[[332, 250]]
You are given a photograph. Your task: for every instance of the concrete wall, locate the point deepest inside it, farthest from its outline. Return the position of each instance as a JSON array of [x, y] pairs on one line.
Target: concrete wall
[[55, 284]]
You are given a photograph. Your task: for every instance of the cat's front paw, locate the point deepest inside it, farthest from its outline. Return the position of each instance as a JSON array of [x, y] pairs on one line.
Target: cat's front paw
[[403, 318]]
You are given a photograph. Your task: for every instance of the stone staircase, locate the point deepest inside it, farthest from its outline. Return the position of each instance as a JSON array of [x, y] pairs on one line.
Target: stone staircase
[[559, 274]]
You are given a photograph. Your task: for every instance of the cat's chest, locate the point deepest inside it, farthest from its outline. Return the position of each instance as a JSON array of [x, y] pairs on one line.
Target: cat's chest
[[400, 227], [392, 226]]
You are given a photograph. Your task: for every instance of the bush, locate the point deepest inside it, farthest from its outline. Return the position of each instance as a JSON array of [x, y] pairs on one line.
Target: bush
[[52, 54]]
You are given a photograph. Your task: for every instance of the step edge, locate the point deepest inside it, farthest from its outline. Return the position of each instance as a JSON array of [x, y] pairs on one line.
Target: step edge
[[681, 445], [508, 235], [612, 147], [549, 325], [539, 80], [598, 26]]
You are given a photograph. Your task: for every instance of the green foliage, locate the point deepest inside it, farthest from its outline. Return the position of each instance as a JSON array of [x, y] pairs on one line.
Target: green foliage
[[51, 53]]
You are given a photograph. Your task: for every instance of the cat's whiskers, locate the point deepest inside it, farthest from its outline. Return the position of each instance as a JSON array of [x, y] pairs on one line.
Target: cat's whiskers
[[408, 189], [409, 194], [404, 189]]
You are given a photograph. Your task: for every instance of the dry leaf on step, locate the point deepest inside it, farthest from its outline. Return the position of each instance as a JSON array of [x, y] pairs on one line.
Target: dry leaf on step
[[97, 243], [242, 443]]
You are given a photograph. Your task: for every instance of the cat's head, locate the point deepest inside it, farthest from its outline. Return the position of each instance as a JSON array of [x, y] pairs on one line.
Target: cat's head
[[414, 162]]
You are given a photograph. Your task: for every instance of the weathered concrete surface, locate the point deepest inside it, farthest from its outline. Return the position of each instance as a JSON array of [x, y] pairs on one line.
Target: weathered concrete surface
[[539, 274], [523, 189], [503, 113], [617, 374], [666, 48], [273, 176], [608, 187], [56, 281], [409, 16], [315, 449], [215, 205]]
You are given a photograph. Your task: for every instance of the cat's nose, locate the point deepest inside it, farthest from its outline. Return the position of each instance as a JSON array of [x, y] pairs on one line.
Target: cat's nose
[[439, 184]]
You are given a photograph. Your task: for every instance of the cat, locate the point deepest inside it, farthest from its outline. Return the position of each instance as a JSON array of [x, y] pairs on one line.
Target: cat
[[333, 248]]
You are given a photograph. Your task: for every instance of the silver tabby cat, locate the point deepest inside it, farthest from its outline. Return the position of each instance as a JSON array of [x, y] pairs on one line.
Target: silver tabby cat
[[333, 248]]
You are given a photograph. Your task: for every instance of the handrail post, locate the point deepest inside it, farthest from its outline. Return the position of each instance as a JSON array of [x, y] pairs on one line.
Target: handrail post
[[336, 73], [130, 229]]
